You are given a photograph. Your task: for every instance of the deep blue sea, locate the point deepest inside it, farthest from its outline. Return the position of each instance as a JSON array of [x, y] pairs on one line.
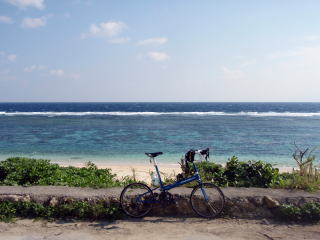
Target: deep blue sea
[[122, 132]]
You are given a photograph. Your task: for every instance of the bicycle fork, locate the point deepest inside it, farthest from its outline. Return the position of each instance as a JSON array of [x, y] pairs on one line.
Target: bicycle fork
[[204, 193], [212, 206]]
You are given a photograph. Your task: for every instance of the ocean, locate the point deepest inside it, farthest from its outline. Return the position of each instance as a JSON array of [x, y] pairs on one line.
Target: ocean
[[123, 132]]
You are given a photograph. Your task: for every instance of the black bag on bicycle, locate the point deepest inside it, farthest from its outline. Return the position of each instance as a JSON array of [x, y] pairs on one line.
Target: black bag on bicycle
[[189, 157]]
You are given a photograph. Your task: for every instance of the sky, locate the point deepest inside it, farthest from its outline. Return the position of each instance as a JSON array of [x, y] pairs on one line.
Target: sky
[[159, 51]]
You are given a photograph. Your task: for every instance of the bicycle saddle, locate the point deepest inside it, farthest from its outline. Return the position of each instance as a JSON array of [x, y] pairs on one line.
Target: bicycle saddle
[[153, 155]]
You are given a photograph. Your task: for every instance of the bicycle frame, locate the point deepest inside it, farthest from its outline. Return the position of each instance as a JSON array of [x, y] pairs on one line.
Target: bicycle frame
[[162, 187]]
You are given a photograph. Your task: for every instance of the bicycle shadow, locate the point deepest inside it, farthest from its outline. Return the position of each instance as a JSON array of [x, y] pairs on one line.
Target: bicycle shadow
[[100, 224]]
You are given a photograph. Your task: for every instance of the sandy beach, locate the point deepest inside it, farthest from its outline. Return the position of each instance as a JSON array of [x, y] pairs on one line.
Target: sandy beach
[[142, 172]]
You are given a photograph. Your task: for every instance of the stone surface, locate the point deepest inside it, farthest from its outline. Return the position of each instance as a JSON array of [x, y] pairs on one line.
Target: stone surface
[[53, 201], [269, 202], [240, 202]]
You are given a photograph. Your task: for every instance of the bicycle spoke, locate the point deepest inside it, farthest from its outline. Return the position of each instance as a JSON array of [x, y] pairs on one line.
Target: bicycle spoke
[[136, 200], [207, 200], [213, 207]]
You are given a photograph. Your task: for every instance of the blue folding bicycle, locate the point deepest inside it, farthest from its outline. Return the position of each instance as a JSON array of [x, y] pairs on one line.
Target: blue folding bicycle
[[206, 199]]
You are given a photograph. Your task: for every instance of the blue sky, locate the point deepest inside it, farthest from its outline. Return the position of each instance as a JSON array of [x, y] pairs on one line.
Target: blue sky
[[170, 50]]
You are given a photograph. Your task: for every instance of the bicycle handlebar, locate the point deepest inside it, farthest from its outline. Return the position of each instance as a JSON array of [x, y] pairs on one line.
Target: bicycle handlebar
[[203, 152]]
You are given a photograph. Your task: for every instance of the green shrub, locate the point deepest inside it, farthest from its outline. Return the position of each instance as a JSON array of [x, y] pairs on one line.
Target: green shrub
[[236, 173], [74, 210], [309, 212], [296, 181], [211, 172], [250, 173], [26, 171], [7, 211], [308, 175]]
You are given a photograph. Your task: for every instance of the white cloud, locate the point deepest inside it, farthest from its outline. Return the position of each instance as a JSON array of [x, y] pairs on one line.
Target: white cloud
[[230, 74], [52, 72], [62, 74], [84, 2], [119, 40], [34, 22], [83, 35], [301, 51], [57, 72], [105, 29], [7, 57], [34, 68], [5, 72], [27, 3], [74, 76], [94, 29], [153, 41], [6, 75], [67, 15], [158, 56], [302, 62], [112, 28], [248, 63], [5, 19], [12, 57], [312, 38]]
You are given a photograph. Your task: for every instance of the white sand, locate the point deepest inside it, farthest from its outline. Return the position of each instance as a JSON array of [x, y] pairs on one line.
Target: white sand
[[142, 171]]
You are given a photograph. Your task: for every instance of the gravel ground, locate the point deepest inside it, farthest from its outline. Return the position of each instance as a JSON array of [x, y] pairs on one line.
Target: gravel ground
[[157, 228]]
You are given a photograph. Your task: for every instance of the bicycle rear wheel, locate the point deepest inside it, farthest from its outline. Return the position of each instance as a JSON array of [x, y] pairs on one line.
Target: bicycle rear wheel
[[136, 200], [207, 200]]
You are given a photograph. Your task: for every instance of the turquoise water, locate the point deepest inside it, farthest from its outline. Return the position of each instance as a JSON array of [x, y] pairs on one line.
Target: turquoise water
[[122, 132]]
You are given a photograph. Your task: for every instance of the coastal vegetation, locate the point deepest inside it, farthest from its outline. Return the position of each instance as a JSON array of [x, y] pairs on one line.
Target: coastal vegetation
[[28, 172], [235, 173], [308, 212], [99, 210], [252, 173], [307, 176], [72, 209]]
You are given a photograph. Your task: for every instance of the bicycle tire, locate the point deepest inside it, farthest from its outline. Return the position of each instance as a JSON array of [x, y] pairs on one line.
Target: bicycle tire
[[130, 204], [205, 208]]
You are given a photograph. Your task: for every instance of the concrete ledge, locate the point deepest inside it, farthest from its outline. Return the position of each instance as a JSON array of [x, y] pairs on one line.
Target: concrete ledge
[[240, 202]]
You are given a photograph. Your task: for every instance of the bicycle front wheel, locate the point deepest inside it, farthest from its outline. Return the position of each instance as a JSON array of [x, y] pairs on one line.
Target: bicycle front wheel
[[207, 200], [136, 200]]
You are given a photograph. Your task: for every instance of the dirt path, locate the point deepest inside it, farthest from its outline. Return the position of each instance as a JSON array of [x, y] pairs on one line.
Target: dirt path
[[157, 228]]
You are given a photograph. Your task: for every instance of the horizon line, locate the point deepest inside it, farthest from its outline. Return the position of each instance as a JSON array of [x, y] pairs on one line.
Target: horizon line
[[160, 102]]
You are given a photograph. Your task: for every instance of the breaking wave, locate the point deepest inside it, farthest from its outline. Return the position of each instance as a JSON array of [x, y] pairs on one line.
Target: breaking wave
[[253, 114]]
